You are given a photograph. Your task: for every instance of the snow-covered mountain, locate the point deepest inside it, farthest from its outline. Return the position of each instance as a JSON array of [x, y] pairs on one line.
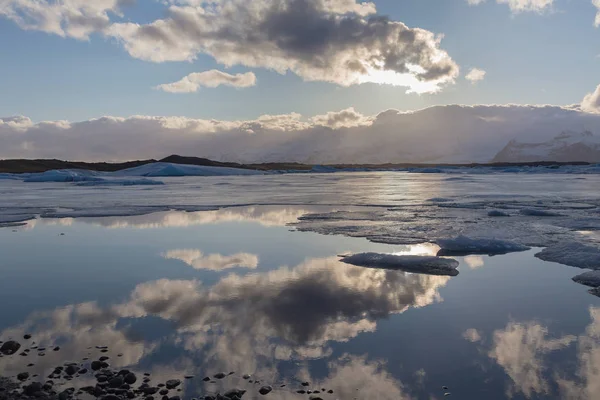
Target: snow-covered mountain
[[566, 147]]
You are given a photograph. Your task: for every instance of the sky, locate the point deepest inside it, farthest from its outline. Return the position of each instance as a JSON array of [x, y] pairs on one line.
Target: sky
[[194, 69]]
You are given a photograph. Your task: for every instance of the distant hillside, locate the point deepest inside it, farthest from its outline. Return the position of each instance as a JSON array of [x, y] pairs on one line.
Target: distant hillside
[[23, 166], [566, 147]]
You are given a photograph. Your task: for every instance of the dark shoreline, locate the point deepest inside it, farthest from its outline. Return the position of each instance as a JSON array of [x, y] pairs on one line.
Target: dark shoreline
[[17, 166]]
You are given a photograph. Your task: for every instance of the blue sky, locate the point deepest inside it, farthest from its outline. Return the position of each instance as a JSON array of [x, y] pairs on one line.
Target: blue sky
[[547, 57]]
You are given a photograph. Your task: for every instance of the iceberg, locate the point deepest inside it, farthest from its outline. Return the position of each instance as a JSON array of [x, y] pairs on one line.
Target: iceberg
[[574, 254], [430, 265], [64, 175], [120, 182], [161, 169], [590, 278], [464, 246]]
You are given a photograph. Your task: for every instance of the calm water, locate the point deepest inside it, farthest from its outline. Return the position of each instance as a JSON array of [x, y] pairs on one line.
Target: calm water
[[178, 293]]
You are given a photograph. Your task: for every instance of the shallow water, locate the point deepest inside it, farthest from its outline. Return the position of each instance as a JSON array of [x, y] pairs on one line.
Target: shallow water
[[236, 289]]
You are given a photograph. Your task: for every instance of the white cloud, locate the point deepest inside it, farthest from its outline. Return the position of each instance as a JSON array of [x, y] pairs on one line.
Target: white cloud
[[475, 75], [67, 18], [519, 349], [214, 262], [347, 118], [519, 6], [596, 3], [475, 2], [319, 40], [213, 78], [472, 335], [443, 133], [474, 262], [591, 102]]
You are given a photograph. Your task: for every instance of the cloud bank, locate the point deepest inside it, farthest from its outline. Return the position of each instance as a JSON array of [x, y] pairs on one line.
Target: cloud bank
[[591, 102], [438, 134], [520, 6], [213, 78]]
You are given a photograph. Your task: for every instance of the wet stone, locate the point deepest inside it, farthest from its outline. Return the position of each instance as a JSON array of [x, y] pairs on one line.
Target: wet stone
[[265, 390], [10, 347]]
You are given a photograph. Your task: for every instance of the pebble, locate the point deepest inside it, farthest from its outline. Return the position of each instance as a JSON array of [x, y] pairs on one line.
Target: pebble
[[130, 378], [27, 336], [265, 390], [305, 384], [23, 376], [246, 376], [220, 375], [172, 383]]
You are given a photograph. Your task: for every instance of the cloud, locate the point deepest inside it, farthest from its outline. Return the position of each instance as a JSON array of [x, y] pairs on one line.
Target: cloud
[[472, 335], [437, 134], [347, 118], [474, 262], [591, 102], [475, 75], [214, 262], [71, 18], [338, 41], [246, 323], [213, 78], [519, 349], [519, 6], [596, 3]]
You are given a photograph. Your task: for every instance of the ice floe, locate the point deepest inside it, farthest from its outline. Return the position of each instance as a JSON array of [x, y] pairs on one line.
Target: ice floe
[[590, 278], [463, 245], [410, 263], [574, 254]]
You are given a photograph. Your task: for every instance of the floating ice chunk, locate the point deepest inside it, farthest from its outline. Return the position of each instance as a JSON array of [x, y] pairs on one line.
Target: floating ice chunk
[[64, 175], [120, 182], [572, 253], [462, 245], [496, 213], [538, 213], [595, 291], [168, 169], [419, 264], [590, 278]]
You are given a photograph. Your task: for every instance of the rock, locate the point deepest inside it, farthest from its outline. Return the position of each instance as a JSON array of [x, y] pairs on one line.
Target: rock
[[32, 388], [172, 383], [130, 378], [150, 390], [301, 391], [175, 398], [246, 376], [57, 348], [220, 375], [206, 379], [447, 394], [164, 392], [27, 336], [83, 371], [444, 387], [96, 365], [30, 365], [103, 358], [10, 347], [71, 370], [110, 397], [189, 377], [330, 391], [101, 378], [234, 393], [116, 382], [265, 390], [315, 398], [305, 384], [282, 386], [23, 376]]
